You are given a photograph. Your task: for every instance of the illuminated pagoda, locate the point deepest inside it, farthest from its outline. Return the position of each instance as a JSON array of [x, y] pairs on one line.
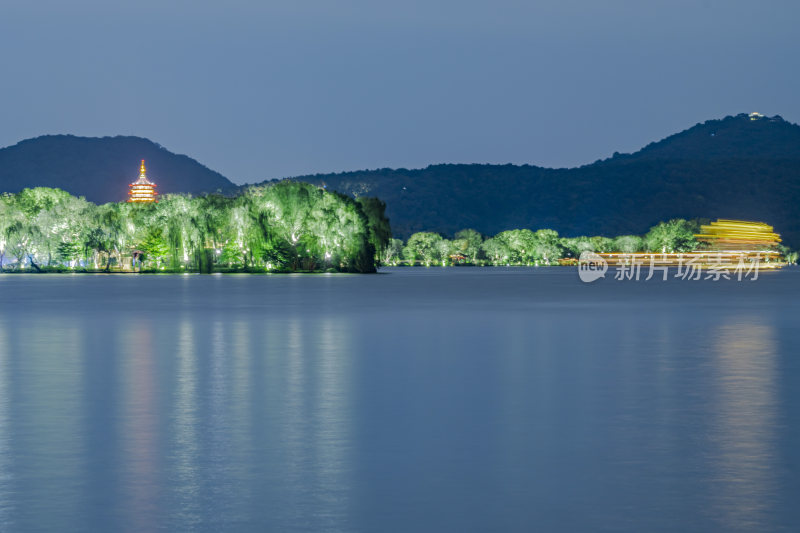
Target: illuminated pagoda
[[738, 235], [142, 190]]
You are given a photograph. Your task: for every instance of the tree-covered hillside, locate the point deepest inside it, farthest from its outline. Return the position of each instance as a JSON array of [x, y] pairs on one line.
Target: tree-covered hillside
[[735, 167], [100, 169], [731, 168]]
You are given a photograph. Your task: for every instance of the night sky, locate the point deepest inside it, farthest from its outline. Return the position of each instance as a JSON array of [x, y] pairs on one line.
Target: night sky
[[259, 90]]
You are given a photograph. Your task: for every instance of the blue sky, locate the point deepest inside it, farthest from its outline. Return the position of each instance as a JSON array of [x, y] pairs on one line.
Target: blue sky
[[261, 90]]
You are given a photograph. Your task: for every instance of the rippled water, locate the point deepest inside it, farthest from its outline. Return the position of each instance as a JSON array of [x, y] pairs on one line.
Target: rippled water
[[414, 400]]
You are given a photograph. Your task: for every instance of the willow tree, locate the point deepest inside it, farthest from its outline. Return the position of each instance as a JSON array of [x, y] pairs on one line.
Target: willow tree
[[380, 232], [305, 227], [287, 226], [36, 221]]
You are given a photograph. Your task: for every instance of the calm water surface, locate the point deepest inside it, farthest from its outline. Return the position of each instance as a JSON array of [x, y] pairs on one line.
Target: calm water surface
[[414, 400]]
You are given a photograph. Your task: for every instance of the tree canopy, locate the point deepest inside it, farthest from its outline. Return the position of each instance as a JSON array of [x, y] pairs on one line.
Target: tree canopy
[[287, 226], [529, 247]]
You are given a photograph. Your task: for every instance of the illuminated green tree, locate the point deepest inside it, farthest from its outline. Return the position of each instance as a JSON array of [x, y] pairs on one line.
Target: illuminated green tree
[[468, 242], [548, 247], [496, 250], [602, 244], [575, 246], [628, 244], [520, 245], [674, 236], [69, 252], [155, 246], [393, 252], [424, 247], [232, 254]]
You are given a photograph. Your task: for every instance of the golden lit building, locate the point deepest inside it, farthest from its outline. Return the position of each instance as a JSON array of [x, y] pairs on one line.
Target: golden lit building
[[142, 190], [738, 235], [722, 244]]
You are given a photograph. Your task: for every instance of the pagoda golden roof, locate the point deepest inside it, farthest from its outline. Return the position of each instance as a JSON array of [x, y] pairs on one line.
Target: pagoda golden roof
[[142, 190]]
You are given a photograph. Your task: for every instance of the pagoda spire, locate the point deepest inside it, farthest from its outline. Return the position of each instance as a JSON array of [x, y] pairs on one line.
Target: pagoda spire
[[142, 190]]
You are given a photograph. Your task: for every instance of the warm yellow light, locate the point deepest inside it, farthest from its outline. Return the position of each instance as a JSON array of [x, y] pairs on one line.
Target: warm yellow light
[[738, 234], [142, 190]]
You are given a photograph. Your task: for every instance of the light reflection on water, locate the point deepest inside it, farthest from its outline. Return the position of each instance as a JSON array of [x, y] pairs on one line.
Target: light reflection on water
[[185, 450], [5, 432], [140, 460], [332, 451], [421, 400], [744, 406]]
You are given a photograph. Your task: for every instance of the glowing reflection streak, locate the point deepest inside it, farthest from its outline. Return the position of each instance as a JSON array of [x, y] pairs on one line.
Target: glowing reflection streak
[[295, 415], [186, 434], [140, 429], [745, 423], [218, 379], [5, 432], [218, 422], [240, 403], [333, 419]]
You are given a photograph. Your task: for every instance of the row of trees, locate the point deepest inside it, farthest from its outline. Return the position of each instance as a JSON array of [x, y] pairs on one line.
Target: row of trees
[[287, 226], [526, 247]]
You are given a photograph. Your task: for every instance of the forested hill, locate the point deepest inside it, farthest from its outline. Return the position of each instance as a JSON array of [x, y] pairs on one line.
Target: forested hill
[[730, 168], [100, 169], [736, 167]]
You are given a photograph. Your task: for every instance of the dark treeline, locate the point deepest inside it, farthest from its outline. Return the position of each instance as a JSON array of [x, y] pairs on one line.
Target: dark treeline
[[286, 227]]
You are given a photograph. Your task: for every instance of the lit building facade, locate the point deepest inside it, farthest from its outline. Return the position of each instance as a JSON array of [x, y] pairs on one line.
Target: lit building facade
[[724, 244], [739, 235], [142, 190]]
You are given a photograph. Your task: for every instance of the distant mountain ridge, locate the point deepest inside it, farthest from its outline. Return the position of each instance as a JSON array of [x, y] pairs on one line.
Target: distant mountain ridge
[[737, 167], [743, 136], [742, 166], [100, 168]]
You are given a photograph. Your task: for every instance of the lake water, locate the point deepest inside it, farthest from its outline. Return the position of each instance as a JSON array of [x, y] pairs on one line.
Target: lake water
[[458, 399]]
